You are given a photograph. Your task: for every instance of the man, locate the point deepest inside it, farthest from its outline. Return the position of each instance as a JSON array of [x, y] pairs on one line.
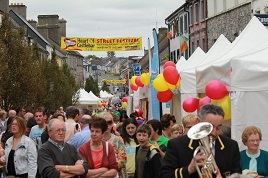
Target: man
[[37, 130], [178, 161], [59, 159], [21, 111], [72, 115], [167, 121], [82, 137]]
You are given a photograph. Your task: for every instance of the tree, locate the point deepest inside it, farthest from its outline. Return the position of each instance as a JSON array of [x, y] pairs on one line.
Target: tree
[[92, 85], [105, 87], [110, 54], [93, 57]]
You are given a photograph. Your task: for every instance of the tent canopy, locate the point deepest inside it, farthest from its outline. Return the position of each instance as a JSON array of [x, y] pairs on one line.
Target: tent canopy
[[84, 98], [105, 95]]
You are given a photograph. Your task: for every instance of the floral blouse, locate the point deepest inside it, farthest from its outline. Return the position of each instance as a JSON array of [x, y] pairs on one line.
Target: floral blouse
[[120, 150]]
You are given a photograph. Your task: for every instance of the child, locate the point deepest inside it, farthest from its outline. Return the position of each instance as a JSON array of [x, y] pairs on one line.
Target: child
[[148, 160], [176, 130]]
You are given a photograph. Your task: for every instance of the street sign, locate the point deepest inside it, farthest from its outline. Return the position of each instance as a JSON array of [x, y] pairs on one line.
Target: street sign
[[136, 69]]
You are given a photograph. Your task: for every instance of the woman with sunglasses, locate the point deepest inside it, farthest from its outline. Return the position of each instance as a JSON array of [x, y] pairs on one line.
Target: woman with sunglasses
[[116, 141], [98, 153]]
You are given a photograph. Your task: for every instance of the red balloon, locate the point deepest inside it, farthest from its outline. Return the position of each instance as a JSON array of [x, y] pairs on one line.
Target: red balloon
[[164, 96], [171, 75], [140, 113], [203, 101], [125, 99], [169, 63], [190, 104], [216, 90], [103, 104], [138, 81], [133, 87]]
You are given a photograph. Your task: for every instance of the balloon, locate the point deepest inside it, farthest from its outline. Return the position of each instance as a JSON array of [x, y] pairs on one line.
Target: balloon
[[178, 85], [103, 104], [145, 78], [204, 101], [140, 113], [133, 87], [164, 96], [133, 78], [190, 104], [124, 104], [169, 63], [171, 75], [159, 83], [225, 103], [138, 82], [216, 90], [171, 87], [125, 99]]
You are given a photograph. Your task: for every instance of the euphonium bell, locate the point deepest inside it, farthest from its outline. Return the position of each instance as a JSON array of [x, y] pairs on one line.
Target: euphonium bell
[[200, 132]]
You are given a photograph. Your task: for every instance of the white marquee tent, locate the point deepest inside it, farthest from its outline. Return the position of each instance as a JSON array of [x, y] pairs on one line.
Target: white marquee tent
[[105, 95], [84, 98], [92, 95]]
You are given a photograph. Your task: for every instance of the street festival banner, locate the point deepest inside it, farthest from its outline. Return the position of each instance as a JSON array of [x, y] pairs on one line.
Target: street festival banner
[[123, 81], [101, 44], [154, 71]]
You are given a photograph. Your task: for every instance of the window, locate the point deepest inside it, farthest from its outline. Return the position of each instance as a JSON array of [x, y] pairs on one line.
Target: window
[[202, 10], [185, 23], [192, 47], [197, 43], [186, 54], [190, 15], [196, 12], [178, 54], [181, 24], [204, 44]]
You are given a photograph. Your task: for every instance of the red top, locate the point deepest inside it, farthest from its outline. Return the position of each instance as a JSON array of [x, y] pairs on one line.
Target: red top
[[108, 161]]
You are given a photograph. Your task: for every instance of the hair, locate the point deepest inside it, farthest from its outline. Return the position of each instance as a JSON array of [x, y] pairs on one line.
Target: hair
[[40, 109], [84, 120], [249, 131], [105, 114], [226, 131], [144, 128], [84, 111], [21, 124], [210, 109], [176, 127], [31, 122], [156, 125], [134, 114], [72, 111], [2, 112], [50, 123], [124, 133], [56, 115], [99, 122], [189, 118], [165, 120]]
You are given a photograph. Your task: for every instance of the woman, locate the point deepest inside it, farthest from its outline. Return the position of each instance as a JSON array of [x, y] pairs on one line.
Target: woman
[[253, 160], [20, 151], [128, 134], [98, 153], [116, 141]]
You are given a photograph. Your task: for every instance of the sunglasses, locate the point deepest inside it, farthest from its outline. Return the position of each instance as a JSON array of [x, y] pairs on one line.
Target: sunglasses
[[109, 122]]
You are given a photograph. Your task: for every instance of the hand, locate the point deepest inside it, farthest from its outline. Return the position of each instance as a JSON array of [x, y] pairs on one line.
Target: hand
[[218, 173], [2, 160], [79, 162], [155, 144], [199, 159]]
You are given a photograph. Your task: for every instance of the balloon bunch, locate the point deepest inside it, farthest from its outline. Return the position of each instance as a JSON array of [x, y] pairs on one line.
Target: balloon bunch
[[139, 81], [166, 82], [124, 102], [103, 103], [216, 93]]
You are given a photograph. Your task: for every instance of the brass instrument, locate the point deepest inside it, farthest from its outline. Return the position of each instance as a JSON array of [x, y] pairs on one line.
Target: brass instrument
[[200, 132]]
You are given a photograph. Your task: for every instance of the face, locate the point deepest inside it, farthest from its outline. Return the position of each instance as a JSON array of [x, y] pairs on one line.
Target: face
[[176, 133], [15, 127], [143, 138], [253, 142], [131, 129], [57, 133], [216, 121], [153, 133], [96, 134], [188, 126], [39, 117], [61, 118]]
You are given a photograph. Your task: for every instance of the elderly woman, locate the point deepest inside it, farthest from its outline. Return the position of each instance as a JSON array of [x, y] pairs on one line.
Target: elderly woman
[[98, 153], [20, 151], [253, 160]]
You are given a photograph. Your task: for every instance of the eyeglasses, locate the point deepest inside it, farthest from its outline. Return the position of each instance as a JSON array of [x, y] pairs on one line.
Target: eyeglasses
[[59, 130], [109, 122], [253, 141]]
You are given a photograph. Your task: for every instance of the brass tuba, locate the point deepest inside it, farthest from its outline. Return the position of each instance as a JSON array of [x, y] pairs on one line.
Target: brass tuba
[[200, 132]]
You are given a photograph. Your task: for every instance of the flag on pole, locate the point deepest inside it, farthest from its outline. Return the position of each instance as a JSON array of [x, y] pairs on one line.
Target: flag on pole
[[183, 43]]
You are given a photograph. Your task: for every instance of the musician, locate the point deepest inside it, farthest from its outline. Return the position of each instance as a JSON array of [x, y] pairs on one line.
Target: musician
[[178, 161]]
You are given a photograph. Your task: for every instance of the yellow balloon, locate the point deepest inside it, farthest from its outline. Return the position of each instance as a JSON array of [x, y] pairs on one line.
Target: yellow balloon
[[171, 87], [160, 84], [178, 85], [145, 78], [215, 101], [225, 103], [124, 104], [133, 78]]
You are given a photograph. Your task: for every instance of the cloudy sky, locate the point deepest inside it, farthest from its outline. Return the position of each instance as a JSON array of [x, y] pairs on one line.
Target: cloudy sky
[[106, 18]]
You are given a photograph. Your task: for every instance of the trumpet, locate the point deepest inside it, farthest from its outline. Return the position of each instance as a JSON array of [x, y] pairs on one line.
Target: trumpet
[[200, 132]]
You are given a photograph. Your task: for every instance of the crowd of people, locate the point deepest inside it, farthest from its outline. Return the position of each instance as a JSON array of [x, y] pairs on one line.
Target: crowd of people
[[106, 144]]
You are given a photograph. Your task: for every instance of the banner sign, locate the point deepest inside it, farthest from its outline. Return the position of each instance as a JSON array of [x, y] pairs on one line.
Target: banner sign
[[136, 69], [263, 18], [114, 81], [101, 44]]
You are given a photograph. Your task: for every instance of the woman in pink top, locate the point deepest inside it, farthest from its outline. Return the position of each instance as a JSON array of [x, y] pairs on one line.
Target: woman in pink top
[[98, 153]]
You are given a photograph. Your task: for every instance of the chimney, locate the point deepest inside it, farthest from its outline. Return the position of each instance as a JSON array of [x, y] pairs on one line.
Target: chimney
[[62, 30], [32, 23], [49, 25], [4, 6], [19, 8]]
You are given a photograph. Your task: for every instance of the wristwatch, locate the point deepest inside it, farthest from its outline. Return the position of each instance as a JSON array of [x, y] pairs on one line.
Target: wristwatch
[[67, 168]]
